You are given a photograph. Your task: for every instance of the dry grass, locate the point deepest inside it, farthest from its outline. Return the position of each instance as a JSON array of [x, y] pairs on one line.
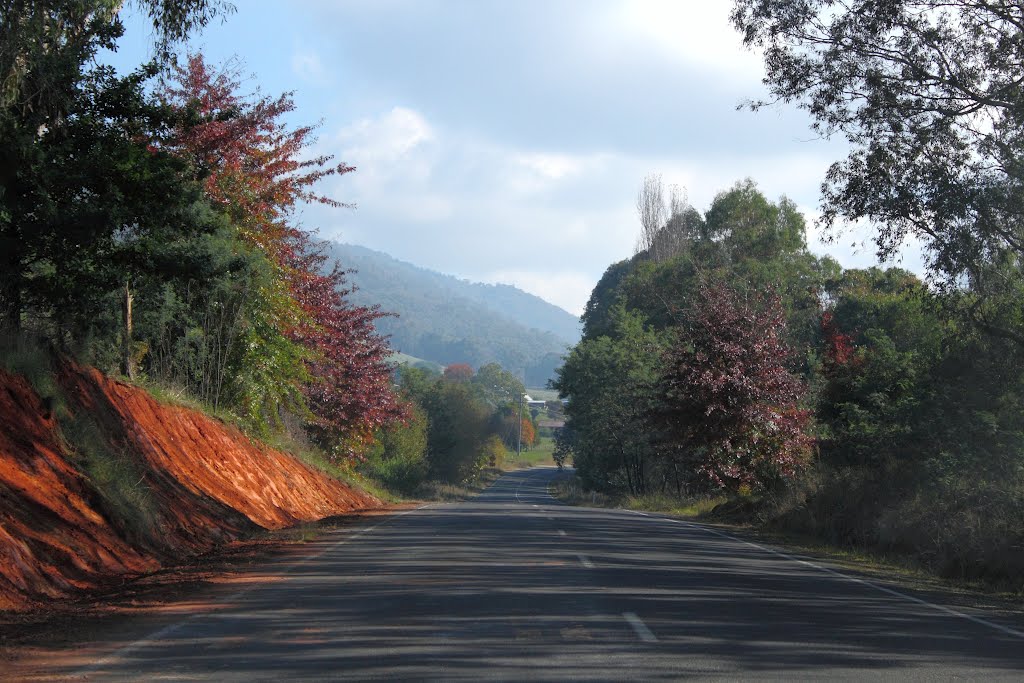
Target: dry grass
[[441, 491]]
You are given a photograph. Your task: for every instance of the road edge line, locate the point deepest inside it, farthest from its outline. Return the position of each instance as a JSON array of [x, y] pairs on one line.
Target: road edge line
[[864, 582]]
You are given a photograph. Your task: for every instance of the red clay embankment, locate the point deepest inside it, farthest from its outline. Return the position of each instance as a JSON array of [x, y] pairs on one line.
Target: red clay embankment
[[202, 484]]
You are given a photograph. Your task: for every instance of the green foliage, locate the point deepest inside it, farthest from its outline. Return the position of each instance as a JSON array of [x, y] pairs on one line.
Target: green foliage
[[267, 366], [458, 428], [906, 83], [497, 386], [398, 457], [28, 357], [744, 240], [493, 451], [611, 384]]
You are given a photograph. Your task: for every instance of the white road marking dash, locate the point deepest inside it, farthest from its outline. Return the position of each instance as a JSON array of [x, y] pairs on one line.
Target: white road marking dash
[[642, 632]]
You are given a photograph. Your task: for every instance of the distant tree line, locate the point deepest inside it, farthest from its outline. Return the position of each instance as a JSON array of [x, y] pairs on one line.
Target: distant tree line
[[462, 421]]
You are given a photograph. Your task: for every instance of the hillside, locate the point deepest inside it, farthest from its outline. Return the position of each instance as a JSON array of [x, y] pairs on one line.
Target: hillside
[[101, 482], [447, 320]]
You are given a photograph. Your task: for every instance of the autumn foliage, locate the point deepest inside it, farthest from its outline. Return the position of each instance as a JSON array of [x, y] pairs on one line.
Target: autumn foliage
[[731, 401], [320, 352], [839, 348], [458, 372]]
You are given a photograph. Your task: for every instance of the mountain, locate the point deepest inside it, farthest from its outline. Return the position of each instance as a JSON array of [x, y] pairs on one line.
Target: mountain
[[447, 320]]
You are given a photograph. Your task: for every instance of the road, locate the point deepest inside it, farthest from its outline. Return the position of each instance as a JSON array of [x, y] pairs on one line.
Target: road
[[515, 586]]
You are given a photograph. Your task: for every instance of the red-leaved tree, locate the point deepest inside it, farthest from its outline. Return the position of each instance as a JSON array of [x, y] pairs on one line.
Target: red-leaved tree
[[730, 403], [257, 169], [458, 372], [255, 166], [351, 393]]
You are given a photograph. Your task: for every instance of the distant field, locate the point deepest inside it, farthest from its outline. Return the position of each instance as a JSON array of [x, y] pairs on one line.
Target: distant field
[[406, 359], [543, 394]]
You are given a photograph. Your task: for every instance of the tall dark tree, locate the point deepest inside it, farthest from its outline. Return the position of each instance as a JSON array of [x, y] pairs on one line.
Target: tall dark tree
[[929, 96], [58, 114]]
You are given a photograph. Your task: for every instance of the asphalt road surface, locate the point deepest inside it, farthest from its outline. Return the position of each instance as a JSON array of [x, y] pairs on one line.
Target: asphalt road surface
[[515, 586]]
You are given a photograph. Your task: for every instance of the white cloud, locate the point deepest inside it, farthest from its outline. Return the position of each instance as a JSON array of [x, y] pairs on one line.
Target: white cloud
[[694, 33], [553, 166], [568, 289], [545, 220], [309, 67], [387, 139]]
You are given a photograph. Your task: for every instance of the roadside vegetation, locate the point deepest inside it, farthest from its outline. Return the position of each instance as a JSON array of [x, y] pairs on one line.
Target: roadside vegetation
[[864, 408], [148, 228]]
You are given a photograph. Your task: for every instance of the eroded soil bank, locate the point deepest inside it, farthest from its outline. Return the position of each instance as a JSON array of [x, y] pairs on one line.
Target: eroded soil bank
[[123, 485]]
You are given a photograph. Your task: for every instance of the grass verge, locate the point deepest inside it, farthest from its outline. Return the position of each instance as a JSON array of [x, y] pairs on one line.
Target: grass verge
[[441, 491], [877, 565], [569, 490]]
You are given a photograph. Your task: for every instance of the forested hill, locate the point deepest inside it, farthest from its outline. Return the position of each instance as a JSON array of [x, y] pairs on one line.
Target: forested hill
[[448, 320]]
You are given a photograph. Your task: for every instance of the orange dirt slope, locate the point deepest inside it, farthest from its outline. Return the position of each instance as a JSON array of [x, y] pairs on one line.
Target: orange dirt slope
[[206, 483]]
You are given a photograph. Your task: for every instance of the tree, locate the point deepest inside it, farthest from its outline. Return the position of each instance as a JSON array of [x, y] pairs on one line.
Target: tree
[[730, 404], [665, 227], [458, 422], [930, 98], [350, 391], [47, 74], [458, 372], [302, 345], [398, 457], [497, 386], [610, 382], [650, 209], [253, 164]]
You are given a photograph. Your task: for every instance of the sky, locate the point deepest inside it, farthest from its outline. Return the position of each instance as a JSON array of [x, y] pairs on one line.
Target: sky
[[505, 141]]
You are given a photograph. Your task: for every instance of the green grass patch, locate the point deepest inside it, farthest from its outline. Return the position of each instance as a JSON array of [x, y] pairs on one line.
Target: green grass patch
[[406, 359], [119, 479], [673, 505], [542, 454]]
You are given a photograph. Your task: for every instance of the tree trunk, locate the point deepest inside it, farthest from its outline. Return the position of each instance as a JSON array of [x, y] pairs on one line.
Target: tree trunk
[[10, 297], [127, 362]]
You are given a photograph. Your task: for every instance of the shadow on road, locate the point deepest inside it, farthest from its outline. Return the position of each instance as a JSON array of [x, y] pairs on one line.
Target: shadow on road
[[515, 586]]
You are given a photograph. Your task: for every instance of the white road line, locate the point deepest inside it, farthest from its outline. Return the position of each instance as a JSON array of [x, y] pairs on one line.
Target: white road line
[[642, 632], [165, 631], [561, 533], [882, 589], [585, 561]]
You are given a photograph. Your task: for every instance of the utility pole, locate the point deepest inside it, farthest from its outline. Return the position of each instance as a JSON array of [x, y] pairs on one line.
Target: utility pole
[[519, 441]]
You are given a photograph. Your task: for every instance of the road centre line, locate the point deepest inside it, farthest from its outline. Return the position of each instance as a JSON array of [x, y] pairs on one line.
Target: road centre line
[[163, 632], [561, 533], [870, 584], [639, 627], [585, 561]]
